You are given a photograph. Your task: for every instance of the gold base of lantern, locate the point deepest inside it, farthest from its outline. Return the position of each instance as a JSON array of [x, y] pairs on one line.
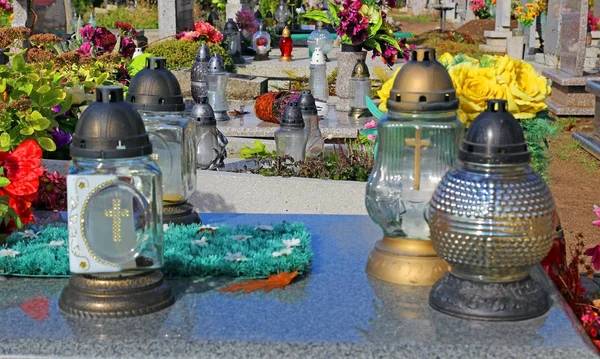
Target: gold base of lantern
[[182, 213], [358, 113], [115, 297], [406, 262], [285, 59]]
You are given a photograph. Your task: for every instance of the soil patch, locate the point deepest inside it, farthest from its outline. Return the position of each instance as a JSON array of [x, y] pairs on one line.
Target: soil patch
[[476, 28]]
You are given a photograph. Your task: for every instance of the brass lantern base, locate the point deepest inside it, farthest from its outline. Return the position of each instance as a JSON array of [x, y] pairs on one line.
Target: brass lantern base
[[406, 262], [182, 213], [358, 113], [285, 59], [222, 116], [115, 297], [505, 301], [261, 57]]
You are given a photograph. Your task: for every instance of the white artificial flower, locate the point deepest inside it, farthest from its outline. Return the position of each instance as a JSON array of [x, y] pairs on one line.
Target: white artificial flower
[[165, 227], [289, 243], [240, 237], [202, 242], [205, 227], [264, 227], [56, 243], [236, 257], [28, 233], [283, 252], [9, 253]]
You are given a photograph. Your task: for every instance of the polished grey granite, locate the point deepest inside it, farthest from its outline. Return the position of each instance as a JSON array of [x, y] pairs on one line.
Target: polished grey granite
[[336, 311]]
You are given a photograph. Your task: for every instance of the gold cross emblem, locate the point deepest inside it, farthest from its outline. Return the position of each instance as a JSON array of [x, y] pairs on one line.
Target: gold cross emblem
[[116, 213], [417, 143]]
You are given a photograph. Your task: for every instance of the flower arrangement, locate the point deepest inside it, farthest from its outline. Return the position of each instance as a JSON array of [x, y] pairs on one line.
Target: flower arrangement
[[6, 8], [480, 8], [526, 14], [247, 23], [270, 106], [202, 31], [593, 21], [99, 40], [361, 23], [51, 193]]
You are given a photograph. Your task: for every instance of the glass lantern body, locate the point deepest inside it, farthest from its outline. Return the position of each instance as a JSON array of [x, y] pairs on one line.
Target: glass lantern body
[[317, 82], [118, 202], [261, 41], [217, 84], [315, 142], [291, 142], [414, 152], [206, 136], [282, 13], [319, 38], [174, 145], [234, 41], [286, 45], [199, 70], [361, 88]]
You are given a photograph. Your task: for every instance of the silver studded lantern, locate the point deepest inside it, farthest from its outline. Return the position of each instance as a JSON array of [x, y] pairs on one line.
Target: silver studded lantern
[[211, 143], [199, 69], [491, 219]]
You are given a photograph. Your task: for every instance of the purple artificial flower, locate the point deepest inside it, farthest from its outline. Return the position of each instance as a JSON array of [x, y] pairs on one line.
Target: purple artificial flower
[[246, 22], [127, 47], [87, 32], [56, 109], [61, 138], [85, 49], [352, 23]]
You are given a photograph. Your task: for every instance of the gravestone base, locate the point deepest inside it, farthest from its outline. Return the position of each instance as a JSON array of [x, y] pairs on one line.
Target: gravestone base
[[515, 47], [590, 141], [496, 41], [569, 96], [547, 59]]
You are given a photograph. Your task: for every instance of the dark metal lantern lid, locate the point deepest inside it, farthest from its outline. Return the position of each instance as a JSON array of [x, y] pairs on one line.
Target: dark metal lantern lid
[[495, 137], [203, 113], [203, 54], [423, 84], [292, 117], [110, 128], [361, 70], [307, 104], [261, 26], [215, 65], [155, 88], [231, 25]]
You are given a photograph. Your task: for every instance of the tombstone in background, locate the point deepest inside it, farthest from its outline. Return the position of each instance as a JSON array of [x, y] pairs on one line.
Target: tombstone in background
[[591, 140], [463, 13], [174, 16], [497, 40], [233, 6], [569, 97], [52, 17], [552, 35], [21, 14]]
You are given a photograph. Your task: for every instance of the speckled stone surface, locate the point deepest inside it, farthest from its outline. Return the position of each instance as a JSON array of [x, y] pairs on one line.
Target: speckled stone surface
[[343, 84], [337, 311], [564, 110]]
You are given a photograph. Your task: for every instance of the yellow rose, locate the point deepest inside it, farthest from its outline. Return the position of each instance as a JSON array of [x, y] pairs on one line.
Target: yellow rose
[[384, 92], [504, 67], [474, 86], [446, 59], [529, 90]]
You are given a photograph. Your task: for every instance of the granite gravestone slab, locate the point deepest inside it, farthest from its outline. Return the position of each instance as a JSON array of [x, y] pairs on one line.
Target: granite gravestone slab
[[553, 27], [174, 16], [572, 36], [52, 17], [502, 15]]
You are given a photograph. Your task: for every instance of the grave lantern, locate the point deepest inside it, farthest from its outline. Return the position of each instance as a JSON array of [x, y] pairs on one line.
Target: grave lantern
[[361, 84], [114, 215], [417, 143], [282, 14], [216, 78], [234, 41], [286, 45], [491, 219], [199, 69], [290, 137], [155, 93], [321, 39], [210, 148], [315, 143], [261, 41], [317, 82]]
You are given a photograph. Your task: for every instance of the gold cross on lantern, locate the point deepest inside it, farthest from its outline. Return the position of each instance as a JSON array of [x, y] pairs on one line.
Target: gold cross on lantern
[[116, 213], [417, 143]]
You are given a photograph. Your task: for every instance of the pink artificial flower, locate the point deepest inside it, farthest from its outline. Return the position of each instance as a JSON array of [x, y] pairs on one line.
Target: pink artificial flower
[[191, 35], [595, 254], [87, 32], [371, 124], [597, 210], [85, 49], [127, 47]]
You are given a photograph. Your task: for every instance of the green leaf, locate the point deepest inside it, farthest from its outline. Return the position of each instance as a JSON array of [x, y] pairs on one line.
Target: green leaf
[[42, 124], [2, 85], [35, 115], [373, 44], [100, 79], [5, 140], [27, 131], [44, 89], [33, 77], [66, 104], [333, 10], [389, 39], [4, 181], [53, 97], [26, 88], [46, 143], [317, 15], [373, 29], [18, 63]]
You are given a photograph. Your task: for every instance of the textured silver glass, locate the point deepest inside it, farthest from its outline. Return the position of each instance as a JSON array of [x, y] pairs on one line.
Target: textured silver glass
[[315, 143], [291, 142], [319, 38], [361, 88], [492, 224], [217, 84], [234, 40]]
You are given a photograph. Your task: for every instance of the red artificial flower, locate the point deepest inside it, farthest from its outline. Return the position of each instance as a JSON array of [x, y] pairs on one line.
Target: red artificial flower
[[594, 252], [22, 167]]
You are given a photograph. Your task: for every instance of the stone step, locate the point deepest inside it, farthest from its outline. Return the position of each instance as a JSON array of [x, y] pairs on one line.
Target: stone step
[[489, 48]]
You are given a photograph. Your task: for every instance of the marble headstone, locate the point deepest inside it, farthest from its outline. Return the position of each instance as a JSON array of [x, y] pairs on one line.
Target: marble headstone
[[233, 6], [174, 16], [572, 36]]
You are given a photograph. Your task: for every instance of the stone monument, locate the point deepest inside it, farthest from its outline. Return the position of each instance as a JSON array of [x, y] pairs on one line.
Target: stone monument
[[551, 38], [174, 16], [569, 97], [591, 140], [22, 14], [233, 6], [52, 17], [497, 40]]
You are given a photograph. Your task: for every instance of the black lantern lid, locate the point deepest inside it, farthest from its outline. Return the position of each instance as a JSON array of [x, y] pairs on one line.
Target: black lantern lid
[[231, 25], [203, 113], [155, 88], [261, 26], [292, 117], [495, 137], [203, 54], [215, 64], [423, 84], [110, 128], [307, 104]]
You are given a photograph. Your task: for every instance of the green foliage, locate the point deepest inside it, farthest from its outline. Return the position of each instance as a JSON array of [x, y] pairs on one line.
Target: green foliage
[[267, 5], [180, 54], [537, 133], [258, 150], [142, 17], [81, 6], [139, 63]]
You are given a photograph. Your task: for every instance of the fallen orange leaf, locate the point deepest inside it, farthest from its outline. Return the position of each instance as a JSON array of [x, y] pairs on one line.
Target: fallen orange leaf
[[280, 281]]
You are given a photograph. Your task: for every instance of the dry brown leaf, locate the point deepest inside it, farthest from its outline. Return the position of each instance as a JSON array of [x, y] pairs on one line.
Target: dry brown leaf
[[280, 281]]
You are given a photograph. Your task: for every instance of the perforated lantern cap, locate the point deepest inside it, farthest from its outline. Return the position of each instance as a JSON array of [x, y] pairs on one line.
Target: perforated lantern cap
[[307, 104], [110, 128], [230, 25], [203, 54], [318, 58], [292, 117], [495, 137], [423, 84], [155, 88], [203, 113], [216, 65]]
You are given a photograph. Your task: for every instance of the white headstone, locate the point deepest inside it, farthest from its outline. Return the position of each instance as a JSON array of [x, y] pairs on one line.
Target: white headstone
[[233, 6], [502, 15], [174, 16], [572, 36]]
